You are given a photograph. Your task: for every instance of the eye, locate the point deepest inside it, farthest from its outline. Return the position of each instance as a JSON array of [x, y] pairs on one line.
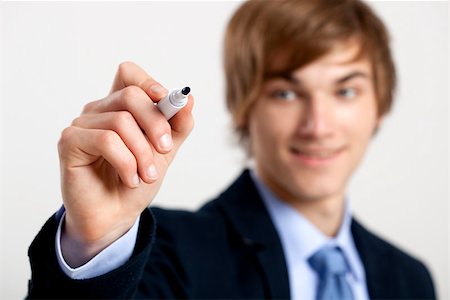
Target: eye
[[347, 93], [284, 94]]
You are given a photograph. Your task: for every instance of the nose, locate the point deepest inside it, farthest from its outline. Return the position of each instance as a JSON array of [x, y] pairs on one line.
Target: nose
[[317, 119]]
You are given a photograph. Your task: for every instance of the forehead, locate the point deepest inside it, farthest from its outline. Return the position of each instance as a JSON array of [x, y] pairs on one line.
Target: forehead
[[340, 59], [337, 63]]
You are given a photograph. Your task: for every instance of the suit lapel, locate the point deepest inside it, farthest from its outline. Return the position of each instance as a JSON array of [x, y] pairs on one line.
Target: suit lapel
[[374, 260], [243, 206]]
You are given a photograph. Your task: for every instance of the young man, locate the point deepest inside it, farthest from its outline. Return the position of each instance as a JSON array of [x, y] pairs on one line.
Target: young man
[[308, 83]]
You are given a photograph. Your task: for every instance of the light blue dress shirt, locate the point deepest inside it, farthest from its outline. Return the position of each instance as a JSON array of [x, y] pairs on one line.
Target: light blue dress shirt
[[301, 239]]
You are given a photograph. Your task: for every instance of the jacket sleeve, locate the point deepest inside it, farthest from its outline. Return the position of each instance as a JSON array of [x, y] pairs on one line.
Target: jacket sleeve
[[48, 281]]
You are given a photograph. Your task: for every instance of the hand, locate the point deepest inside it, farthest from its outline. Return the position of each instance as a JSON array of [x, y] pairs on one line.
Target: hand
[[113, 159]]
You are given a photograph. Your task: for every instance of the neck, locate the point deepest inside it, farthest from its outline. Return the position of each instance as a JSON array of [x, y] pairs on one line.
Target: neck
[[326, 214]]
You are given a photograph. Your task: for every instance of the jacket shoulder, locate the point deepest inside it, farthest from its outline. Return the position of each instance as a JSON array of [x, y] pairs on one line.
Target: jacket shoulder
[[389, 266]]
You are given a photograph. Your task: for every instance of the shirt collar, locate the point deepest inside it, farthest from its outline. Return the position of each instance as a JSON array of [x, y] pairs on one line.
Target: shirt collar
[[302, 236]]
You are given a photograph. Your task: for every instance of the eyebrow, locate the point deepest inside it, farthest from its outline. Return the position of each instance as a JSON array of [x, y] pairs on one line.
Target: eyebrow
[[351, 76], [290, 78]]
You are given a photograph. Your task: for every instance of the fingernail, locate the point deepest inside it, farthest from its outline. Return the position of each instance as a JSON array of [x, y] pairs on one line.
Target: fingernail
[[136, 180], [165, 142], [157, 89], [152, 173]]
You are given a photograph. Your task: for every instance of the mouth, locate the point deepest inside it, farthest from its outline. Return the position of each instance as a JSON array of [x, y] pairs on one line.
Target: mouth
[[317, 156]]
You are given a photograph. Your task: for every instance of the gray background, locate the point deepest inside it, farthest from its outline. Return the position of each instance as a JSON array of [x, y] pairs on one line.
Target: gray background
[[55, 57]]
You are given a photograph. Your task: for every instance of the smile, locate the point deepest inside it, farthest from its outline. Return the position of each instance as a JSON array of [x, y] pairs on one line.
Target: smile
[[315, 157]]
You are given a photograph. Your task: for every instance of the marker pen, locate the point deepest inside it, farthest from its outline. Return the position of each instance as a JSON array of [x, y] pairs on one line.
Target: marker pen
[[173, 102]]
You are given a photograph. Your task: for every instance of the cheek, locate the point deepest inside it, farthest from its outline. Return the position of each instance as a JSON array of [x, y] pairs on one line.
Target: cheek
[[269, 127], [359, 123], [260, 133]]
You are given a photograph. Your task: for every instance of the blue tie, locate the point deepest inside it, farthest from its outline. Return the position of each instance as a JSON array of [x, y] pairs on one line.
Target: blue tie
[[330, 265]]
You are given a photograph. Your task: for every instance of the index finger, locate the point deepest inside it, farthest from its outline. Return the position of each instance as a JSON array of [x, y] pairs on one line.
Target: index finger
[[129, 73]]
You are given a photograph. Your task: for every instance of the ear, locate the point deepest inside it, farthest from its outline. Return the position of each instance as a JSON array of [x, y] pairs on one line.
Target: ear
[[242, 123]]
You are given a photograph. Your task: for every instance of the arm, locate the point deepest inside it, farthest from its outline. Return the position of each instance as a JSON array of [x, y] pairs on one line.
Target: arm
[[49, 282], [113, 159]]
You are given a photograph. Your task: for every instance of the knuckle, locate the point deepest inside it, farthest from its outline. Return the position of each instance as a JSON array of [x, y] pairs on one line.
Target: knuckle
[[86, 108], [89, 107], [124, 67], [107, 139], [77, 121], [122, 119], [65, 138], [130, 94]]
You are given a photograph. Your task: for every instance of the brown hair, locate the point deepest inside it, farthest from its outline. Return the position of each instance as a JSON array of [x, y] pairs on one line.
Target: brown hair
[[303, 31]]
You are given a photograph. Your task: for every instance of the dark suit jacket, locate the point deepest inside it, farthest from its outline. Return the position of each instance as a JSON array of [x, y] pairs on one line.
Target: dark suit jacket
[[228, 249]]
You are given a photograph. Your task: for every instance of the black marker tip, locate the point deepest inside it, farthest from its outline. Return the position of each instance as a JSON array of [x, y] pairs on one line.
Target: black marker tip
[[186, 90]]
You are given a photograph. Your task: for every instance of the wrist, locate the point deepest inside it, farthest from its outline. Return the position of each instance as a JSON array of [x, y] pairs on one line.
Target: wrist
[[79, 248]]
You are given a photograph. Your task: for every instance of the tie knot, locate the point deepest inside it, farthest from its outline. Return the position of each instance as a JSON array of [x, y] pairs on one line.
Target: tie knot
[[329, 261]]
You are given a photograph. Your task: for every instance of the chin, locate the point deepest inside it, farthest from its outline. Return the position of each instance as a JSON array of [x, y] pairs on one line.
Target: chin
[[313, 191]]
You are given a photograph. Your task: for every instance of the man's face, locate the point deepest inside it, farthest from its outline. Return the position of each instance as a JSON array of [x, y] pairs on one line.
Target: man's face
[[310, 129]]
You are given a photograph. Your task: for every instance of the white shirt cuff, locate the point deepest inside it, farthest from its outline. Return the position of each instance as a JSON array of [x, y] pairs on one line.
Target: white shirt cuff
[[110, 258]]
